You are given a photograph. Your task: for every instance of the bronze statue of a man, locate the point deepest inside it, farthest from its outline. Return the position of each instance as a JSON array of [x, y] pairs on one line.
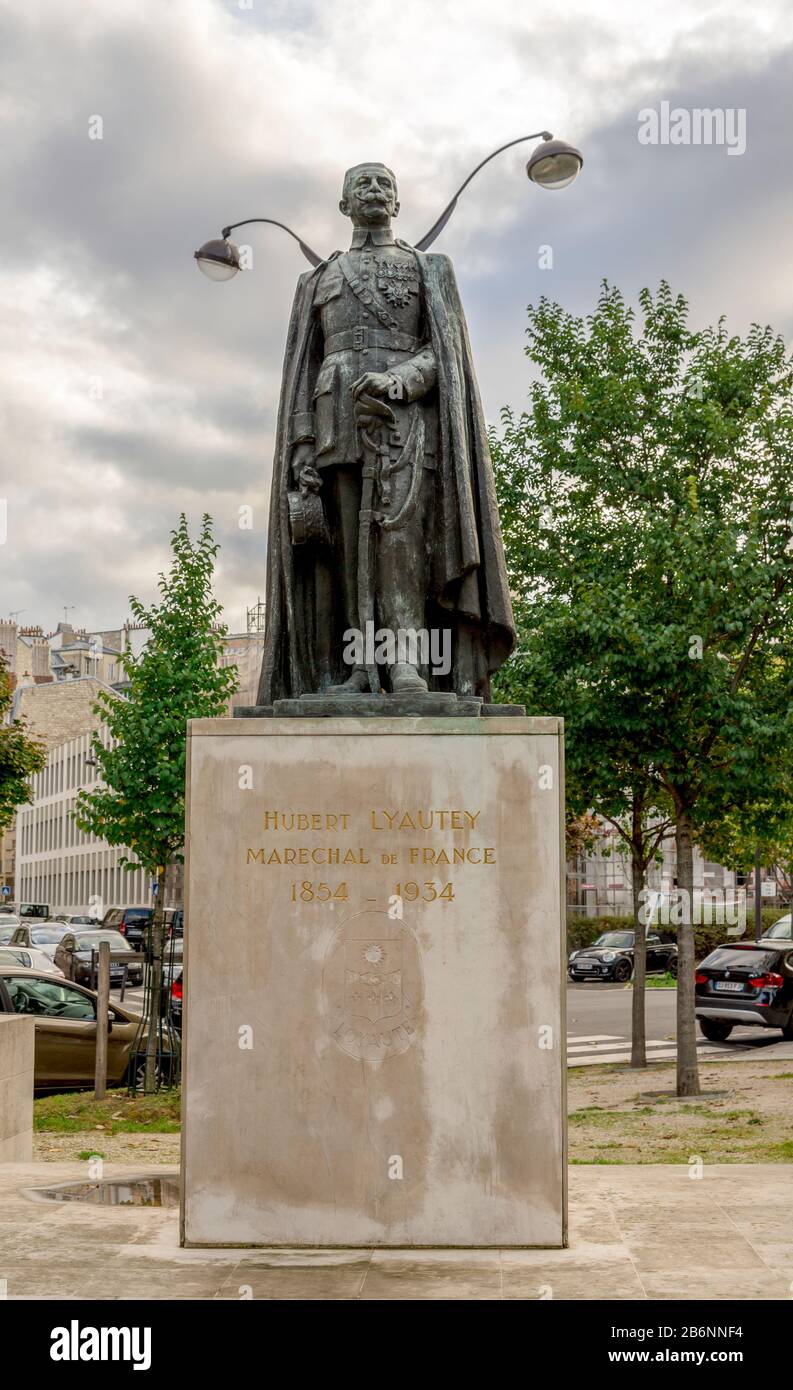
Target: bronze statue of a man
[[383, 512]]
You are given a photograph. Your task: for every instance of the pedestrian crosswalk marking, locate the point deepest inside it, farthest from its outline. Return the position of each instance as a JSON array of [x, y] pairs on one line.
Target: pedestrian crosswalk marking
[[596, 1037], [613, 1044], [589, 1049]]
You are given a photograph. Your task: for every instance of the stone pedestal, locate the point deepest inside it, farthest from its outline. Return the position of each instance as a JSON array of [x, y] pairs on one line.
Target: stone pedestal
[[374, 1022], [17, 1047]]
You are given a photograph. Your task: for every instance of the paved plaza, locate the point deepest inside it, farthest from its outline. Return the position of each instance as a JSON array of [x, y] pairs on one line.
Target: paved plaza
[[636, 1232]]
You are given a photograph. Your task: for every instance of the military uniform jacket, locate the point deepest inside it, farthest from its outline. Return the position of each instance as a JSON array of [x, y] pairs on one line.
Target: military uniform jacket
[[369, 318], [468, 584]]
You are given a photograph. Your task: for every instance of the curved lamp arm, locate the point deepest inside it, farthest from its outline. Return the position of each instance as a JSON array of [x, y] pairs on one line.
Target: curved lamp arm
[[437, 227], [310, 255]]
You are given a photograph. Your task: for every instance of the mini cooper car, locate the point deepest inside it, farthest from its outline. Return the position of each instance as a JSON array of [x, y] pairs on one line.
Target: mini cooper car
[[611, 957], [745, 982]]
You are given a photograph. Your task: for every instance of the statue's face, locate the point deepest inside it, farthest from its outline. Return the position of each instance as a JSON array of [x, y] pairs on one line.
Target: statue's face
[[370, 197]]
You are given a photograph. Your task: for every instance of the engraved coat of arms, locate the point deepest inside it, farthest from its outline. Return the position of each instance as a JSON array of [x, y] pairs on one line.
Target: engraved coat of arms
[[373, 979], [372, 986]]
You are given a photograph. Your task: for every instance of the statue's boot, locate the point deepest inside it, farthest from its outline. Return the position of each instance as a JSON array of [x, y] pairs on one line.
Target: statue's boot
[[357, 683], [405, 679]]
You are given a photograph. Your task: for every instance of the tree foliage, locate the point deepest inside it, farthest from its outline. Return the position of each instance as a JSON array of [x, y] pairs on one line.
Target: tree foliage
[[176, 677], [20, 756], [647, 512]]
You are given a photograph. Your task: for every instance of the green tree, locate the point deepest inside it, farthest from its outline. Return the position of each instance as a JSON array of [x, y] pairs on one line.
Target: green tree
[[141, 804], [20, 756], [647, 513]]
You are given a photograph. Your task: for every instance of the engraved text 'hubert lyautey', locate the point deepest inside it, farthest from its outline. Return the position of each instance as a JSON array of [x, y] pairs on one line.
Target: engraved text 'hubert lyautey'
[[380, 822], [421, 819]]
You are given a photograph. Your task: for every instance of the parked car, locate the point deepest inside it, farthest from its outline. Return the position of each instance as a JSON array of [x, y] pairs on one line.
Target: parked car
[[176, 1001], [33, 912], [75, 920], [44, 937], [7, 929], [31, 959], [611, 957], [745, 982], [172, 956], [132, 922], [74, 955], [782, 930], [65, 1020]]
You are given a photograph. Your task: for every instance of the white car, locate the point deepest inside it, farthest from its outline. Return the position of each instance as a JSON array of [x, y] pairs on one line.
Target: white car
[[30, 959], [43, 937], [8, 925], [782, 930]]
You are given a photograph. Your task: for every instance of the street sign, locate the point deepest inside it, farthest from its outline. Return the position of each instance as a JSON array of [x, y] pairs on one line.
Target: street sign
[[6, 891]]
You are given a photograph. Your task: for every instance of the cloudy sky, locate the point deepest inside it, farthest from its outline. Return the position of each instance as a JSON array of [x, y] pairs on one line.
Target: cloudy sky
[[131, 388]]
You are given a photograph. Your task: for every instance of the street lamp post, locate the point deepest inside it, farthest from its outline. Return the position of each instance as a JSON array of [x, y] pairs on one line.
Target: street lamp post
[[553, 165]]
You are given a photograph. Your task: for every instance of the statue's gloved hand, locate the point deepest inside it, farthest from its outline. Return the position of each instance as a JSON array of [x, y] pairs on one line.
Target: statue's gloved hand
[[309, 478], [373, 384], [303, 470]]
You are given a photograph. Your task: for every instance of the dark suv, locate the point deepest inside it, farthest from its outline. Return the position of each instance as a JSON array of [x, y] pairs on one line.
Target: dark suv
[[745, 982], [132, 922]]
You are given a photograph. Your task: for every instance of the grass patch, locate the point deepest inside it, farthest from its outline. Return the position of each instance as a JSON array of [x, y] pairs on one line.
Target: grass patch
[[739, 1118], [118, 1113], [593, 1115], [783, 1150], [666, 981]]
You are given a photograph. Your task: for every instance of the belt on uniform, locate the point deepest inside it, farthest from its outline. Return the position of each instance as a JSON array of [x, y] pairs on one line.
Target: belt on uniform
[[362, 337]]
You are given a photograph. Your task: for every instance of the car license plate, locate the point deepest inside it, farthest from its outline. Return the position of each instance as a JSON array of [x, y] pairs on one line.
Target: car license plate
[[586, 965], [730, 986]]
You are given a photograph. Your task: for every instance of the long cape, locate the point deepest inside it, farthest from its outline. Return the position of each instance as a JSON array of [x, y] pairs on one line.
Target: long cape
[[468, 582]]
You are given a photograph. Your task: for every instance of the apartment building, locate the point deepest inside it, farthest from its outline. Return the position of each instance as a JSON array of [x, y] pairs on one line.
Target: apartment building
[[60, 865]]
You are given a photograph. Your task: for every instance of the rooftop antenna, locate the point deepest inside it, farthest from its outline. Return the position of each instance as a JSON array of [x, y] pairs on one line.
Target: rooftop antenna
[[256, 617]]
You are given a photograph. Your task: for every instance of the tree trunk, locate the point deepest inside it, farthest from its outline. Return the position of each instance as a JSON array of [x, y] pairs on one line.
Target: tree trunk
[[153, 1036], [687, 1068], [638, 1023], [758, 895]]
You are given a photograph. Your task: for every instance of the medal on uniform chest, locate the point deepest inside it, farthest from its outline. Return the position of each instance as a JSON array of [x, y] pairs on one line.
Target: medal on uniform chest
[[397, 280]]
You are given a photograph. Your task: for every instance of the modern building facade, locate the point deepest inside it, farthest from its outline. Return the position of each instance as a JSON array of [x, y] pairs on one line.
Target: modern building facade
[[56, 681], [58, 864], [599, 881]]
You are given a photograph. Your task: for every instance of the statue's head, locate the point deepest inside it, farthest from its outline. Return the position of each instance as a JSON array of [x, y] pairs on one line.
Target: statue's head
[[369, 195]]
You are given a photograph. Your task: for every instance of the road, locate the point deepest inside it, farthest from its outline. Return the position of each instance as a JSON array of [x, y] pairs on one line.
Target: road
[[133, 998], [599, 1028]]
